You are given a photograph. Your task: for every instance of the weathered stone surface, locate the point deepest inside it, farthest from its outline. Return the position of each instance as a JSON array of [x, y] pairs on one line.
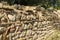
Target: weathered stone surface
[[24, 23], [11, 17], [1, 30], [23, 34], [35, 37], [26, 26], [29, 32]]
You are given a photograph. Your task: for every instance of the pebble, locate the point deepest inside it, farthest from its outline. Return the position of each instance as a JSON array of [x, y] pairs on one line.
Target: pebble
[[29, 32], [10, 37], [44, 22], [30, 39], [23, 34], [35, 37], [11, 17], [0, 37], [1, 15], [23, 17], [28, 17], [30, 12], [42, 9], [35, 28], [39, 25], [30, 25], [38, 32], [15, 6], [33, 32], [35, 24], [2, 18], [12, 29], [1, 30], [43, 34], [13, 34], [26, 26], [16, 37], [32, 16]]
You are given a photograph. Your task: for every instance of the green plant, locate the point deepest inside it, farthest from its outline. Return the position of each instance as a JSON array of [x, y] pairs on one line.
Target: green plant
[[44, 3]]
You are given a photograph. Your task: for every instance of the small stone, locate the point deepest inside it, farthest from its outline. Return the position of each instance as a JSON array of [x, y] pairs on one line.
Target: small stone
[[13, 34], [0, 37], [42, 9], [35, 28], [28, 17], [3, 19], [38, 32], [35, 37], [32, 17], [23, 34], [13, 38], [11, 17], [23, 17], [9, 36], [35, 24], [44, 22], [16, 37], [29, 32], [39, 25], [12, 28], [43, 34], [26, 26], [1, 30], [30, 26], [30, 12], [33, 32], [39, 14], [30, 39], [1, 15], [15, 6]]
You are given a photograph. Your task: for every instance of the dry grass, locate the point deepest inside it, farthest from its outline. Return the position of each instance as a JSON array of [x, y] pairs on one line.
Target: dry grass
[[54, 36]]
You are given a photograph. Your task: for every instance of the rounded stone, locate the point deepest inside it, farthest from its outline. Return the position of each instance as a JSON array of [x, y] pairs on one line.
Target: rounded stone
[[29, 33], [23, 34], [1, 15], [12, 28], [26, 26], [11, 17], [35, 37], [35, 24]]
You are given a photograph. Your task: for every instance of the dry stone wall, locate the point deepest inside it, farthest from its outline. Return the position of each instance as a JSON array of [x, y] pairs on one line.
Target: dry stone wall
[[27, 24]]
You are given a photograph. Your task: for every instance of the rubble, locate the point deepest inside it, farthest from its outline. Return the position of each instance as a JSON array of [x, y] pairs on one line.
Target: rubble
[[18, 23]]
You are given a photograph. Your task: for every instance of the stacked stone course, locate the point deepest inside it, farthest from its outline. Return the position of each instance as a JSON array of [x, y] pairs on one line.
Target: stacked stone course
[[17, 24]]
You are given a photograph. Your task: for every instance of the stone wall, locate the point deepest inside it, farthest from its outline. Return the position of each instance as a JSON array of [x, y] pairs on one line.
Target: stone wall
[[19, 23]]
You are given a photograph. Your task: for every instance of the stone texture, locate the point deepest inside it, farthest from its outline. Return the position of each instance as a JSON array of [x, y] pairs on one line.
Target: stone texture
[[11, 17], [27, 24]]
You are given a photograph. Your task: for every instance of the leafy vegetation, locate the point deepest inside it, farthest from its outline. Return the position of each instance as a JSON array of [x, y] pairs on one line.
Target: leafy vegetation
[[44, 3]]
